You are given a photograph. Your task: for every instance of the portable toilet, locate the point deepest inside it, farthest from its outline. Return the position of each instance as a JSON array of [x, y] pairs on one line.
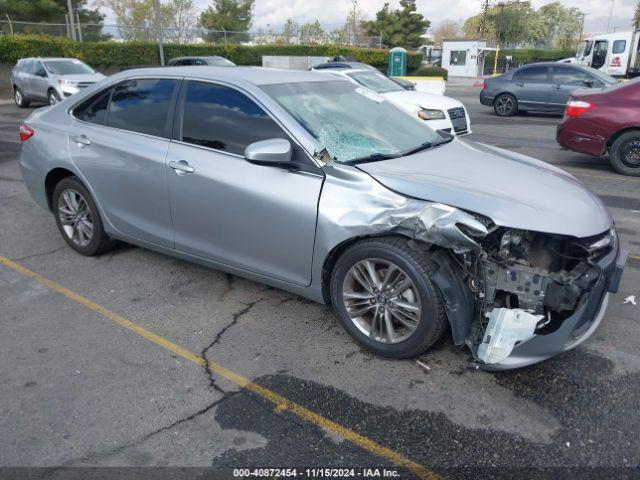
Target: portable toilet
[[397, 62]]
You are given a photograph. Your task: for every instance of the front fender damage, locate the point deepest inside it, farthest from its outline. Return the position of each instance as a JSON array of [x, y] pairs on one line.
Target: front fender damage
[[507, 292]]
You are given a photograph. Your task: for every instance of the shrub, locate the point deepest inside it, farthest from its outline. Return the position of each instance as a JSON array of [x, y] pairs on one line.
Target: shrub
[[522, 56], [431, 72], [114, 54]]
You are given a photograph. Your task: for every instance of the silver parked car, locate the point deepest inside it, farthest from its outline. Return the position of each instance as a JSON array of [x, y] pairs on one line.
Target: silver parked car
[[50, 79], [322, 188], [212, 61]]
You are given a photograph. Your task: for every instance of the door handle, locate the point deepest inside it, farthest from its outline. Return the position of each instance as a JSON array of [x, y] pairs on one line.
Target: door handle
[[181, 167], [81, 140], [557, 87], [519, 84]]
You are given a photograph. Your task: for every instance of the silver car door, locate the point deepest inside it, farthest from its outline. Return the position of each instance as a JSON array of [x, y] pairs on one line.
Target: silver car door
[[121, 152], [255, 217]]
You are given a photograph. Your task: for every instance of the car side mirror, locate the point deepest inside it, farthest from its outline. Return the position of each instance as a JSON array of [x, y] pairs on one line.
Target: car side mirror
[[588, 82], [271, 151]]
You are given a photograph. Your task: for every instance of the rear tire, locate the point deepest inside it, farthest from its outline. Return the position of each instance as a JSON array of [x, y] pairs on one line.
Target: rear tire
[[415, 314], [625, 154], [18, 97], [505, 105], [78, 218]]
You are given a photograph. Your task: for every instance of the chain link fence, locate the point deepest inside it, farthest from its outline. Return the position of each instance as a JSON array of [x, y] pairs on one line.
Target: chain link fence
[[122, 33]]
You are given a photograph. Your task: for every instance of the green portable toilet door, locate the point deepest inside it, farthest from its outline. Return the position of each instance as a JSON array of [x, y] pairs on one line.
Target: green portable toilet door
[[397, 62]]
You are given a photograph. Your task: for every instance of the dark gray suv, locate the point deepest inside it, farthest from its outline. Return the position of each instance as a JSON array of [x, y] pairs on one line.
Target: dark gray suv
[[539, 87]]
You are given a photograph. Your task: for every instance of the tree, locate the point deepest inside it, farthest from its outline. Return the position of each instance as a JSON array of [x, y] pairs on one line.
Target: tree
[[448, 29], [179, 19], [636, 16], [312, 33], [290, 31], [552, 25], [53, 11], [229, 15], [401, 27]]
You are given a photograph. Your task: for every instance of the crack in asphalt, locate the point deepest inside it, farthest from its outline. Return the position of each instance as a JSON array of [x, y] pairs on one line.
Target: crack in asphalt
[[9, 179], [203, 354], [140, 441], [33, 255]]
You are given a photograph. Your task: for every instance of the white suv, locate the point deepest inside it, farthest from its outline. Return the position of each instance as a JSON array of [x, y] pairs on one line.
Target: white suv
[[438, 111]]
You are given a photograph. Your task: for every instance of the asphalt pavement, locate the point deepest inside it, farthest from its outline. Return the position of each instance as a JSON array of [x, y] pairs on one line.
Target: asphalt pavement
[[134, 358]]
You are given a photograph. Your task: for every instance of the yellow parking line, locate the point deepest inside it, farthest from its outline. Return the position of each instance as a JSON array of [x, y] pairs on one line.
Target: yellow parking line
[[635, 257], [281, 403]]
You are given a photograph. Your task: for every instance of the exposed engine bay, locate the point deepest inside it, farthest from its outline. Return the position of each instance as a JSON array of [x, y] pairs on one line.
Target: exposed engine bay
[[526, 284]]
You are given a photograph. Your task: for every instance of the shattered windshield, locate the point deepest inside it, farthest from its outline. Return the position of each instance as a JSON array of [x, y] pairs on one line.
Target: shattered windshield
[[351, 122]]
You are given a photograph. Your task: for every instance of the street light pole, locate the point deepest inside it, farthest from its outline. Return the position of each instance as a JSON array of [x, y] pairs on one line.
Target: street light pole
[[355, 5], [159, 27], [610, 14]]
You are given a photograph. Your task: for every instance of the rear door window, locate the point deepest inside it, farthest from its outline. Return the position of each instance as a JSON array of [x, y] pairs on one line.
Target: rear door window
[[142, 105], [531, 74], [94, 110], [222, 118]]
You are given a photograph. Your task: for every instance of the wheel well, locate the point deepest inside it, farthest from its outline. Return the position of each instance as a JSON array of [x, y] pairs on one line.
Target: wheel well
[[53, 177], [616, 135]]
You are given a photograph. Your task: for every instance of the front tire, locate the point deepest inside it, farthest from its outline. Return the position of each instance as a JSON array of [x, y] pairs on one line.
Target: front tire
[[384, 298], [18, 97], [78, 218], [505, 105], [625, 154], [53, 97]]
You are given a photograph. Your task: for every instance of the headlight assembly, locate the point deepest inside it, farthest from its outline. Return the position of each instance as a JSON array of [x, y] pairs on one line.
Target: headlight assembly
[[427, 114]]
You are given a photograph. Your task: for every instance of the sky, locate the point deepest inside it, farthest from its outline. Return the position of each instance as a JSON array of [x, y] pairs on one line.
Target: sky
[[332, 13]]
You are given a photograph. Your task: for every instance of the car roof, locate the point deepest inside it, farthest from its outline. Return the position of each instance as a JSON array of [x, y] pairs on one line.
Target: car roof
[[552, 64], [50, 59], [197, 56], [343, 65], [254, 75]]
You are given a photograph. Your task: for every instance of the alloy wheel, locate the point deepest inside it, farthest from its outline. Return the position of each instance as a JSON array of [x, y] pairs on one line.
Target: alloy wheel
[[381, 300], [504, 105], [75, 217], [18, 97], [53, 98]]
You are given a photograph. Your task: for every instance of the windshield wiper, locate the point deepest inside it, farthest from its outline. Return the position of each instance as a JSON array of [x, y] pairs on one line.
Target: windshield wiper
[[373, 157], [426, 146]]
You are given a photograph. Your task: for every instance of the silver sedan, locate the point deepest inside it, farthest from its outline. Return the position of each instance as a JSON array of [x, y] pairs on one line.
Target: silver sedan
[[322, 188]]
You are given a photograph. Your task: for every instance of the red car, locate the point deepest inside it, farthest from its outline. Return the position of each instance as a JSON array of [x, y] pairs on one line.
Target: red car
[[605, 122]]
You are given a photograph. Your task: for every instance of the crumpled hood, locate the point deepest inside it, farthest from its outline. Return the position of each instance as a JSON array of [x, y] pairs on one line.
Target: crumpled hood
[[422, 99], [513, 190]]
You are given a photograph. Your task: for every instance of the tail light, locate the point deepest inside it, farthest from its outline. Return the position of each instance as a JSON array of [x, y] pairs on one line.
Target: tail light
[[575, 108], [484, 85], [25, 132]]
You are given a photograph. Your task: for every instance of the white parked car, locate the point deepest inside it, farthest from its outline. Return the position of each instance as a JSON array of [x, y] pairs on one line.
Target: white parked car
[[439, 112]]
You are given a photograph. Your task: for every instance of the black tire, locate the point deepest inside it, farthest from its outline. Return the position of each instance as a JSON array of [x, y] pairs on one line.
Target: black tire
[[505, 105], [432, 322], [625, 154], [18, 97], [99, 242], [53, 97]]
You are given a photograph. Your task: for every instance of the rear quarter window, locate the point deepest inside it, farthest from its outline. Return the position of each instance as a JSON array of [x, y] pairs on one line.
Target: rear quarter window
[[619, 46]]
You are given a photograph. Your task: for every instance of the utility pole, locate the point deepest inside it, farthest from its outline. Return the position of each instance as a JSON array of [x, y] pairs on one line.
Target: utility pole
[[159, 27], [79, 26], [483, 22], [582, 14], [610, 14], [71, 21]]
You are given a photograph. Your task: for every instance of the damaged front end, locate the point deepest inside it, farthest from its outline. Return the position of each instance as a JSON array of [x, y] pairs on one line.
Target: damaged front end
[[536, 294]]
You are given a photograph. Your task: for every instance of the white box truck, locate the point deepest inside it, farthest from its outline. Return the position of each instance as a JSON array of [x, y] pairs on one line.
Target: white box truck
[[613, 53]]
